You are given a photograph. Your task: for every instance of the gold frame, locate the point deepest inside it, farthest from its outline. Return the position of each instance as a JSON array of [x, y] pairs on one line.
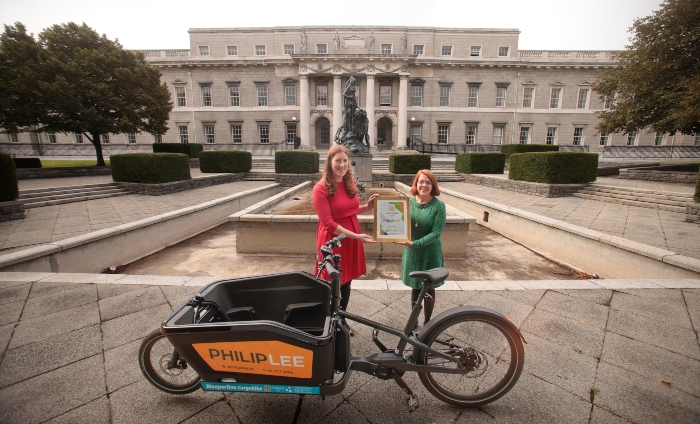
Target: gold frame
[[406, 203]]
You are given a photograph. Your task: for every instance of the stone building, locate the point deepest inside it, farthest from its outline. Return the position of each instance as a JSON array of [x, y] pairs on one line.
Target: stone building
[[250, 87]]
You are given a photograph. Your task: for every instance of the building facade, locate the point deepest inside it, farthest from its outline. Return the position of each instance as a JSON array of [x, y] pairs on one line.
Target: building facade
[[248, 87]]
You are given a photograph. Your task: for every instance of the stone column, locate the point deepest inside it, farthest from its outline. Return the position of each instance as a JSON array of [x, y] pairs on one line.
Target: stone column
[[305, 112], [369, 108], [337, 106], [403, 112]]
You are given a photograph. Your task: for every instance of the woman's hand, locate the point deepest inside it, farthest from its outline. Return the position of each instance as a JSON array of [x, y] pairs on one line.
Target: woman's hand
[[370, 202], [364, 238], [404, 243]]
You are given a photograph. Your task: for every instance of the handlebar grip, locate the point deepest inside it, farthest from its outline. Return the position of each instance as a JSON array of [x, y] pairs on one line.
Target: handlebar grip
[[332, 272]]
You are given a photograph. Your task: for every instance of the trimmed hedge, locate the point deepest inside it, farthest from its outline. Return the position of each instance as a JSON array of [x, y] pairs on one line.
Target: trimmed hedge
[[480, 163], [408, 164], [554, 167], [190, 149], [27, 162], [9, 189], [697, 190], [150, 168], [509, 149], [296, 162], [232, 161]]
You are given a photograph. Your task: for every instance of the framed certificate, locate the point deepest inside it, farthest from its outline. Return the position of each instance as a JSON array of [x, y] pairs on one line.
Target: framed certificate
[[392, 219]]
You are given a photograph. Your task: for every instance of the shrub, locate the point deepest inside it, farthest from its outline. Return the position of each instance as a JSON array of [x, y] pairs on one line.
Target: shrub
[[27, 162], [480, 163], [9, 189], [408, 164], [554, 167], [232, 161], [296, 162], [509, 149], [697, 189], [190, 149], [150, 168]]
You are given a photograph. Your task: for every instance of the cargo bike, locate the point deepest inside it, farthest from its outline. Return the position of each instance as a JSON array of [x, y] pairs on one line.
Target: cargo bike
[[285, 333]]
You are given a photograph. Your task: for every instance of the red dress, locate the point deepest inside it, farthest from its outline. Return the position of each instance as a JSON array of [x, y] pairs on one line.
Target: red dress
[[340, 210]]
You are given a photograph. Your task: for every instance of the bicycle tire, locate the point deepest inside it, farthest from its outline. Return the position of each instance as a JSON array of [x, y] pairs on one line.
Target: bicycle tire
[[155, 354], [492, 352]]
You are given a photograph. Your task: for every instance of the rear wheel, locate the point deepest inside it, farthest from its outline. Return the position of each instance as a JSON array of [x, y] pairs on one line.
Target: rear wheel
[[155, 356], [489, 350]]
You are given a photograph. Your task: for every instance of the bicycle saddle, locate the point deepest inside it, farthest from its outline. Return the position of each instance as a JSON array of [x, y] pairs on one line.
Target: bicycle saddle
[[435, 275]]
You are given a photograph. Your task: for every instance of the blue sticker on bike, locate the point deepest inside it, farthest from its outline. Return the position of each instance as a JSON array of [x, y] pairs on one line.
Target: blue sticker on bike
[[260, 388]]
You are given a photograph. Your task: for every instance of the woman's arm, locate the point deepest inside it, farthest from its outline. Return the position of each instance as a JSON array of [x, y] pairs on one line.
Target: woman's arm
[[436, 230], [322, 206], [369, 205]]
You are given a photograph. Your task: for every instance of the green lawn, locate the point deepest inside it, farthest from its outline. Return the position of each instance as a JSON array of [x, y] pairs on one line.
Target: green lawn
[[69, 163]]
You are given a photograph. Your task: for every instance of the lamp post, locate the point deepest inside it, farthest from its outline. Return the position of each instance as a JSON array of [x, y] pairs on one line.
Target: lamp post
[[413, 135]]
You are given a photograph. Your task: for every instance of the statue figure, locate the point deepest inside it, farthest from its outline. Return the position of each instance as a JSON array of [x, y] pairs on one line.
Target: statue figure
[[355, 126], [371, 40], [350, 103], [337, 41], [361, 124], [404, 41], [303, 39]]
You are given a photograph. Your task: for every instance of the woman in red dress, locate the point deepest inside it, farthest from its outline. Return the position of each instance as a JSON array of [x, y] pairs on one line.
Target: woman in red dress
[[337, 205]]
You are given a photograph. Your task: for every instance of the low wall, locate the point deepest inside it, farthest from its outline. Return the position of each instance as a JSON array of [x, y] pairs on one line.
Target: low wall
[[127, 243], [82, 171], [11, 210], [535, 189], [667, 176], [692, 212], [579, 248], [177, 186], [292, 180]]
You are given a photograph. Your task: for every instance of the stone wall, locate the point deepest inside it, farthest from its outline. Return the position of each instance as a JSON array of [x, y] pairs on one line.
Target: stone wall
[[663, 176], [692, 212], [291, 180], [535, 189], [177, 186], [11, 210]]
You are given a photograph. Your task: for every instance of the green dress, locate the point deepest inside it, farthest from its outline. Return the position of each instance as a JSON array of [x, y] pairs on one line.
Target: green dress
[[426, 252]]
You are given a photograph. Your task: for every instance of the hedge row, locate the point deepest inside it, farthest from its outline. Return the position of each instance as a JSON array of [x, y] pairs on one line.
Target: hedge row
[[554, 167], [296, 162], [408, 164], [480, 163], [233, 161], [9, 189], [697, 190], [509, 149], [190, 149], [150, 168], [27, 162]]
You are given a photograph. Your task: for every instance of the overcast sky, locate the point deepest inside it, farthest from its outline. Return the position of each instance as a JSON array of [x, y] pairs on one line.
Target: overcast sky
[[159, 24]]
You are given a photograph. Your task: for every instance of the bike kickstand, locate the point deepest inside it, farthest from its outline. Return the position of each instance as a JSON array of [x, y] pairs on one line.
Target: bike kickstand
[[412, 400]]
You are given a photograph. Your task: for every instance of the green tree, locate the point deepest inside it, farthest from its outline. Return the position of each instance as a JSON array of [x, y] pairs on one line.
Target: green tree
[[656, 84], [82, 82]]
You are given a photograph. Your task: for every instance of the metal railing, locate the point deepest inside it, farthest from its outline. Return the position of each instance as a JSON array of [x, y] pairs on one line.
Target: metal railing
[[256, 149], [421, 146], [573, 148], [651, 152]]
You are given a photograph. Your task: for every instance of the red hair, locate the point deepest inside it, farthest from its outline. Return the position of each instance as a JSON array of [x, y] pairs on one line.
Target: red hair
[[328, 180], [429, 174]]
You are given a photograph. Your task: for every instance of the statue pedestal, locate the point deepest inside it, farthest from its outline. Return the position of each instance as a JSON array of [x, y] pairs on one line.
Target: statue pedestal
[[362, 167]]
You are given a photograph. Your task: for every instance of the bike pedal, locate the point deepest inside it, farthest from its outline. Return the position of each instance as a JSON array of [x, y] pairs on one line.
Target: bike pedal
[[412, 402]]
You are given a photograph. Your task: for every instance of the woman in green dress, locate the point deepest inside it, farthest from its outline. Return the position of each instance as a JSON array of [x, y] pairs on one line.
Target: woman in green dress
[[424, 251]]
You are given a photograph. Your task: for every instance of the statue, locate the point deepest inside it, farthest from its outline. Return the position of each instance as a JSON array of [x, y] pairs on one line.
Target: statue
[[404, 41], [371, 40], [303, 40], [355, 128], [337, 41]]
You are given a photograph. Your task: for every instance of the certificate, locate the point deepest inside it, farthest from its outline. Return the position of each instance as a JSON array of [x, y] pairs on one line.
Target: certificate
[[392, 219]]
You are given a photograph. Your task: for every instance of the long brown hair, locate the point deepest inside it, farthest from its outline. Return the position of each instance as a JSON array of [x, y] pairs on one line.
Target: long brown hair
[[328, 180], [429, 174]]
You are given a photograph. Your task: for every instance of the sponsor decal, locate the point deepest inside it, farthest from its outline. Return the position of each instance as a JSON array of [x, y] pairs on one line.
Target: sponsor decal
[[260, 388], [261, 357]]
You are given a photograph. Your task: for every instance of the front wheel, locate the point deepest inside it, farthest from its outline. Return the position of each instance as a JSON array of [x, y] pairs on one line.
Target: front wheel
[[489, 350], [155, 357]]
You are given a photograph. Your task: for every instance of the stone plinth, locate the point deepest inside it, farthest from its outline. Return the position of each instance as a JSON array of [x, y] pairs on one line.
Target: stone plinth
[[11, 210]]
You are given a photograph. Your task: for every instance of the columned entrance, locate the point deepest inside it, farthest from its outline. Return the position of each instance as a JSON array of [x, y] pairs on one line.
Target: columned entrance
[[385, 134], [322, 133]]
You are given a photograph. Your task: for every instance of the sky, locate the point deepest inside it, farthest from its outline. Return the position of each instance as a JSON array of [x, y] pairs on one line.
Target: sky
[[159, 24]]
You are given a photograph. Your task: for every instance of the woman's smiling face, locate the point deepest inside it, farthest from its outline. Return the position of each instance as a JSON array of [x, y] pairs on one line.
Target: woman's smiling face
[[339, 165]]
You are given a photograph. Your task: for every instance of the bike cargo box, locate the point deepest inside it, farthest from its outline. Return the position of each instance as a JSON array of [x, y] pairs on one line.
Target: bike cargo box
[[277, 330]]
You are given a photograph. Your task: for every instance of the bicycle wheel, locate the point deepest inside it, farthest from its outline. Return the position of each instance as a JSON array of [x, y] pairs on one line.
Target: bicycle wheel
[[490, 351], [155, 355]]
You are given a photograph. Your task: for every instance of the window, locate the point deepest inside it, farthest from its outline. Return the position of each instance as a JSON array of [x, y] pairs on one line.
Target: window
[[291, 133], [322, 48], [470, 137], [209, 133], [384, 95], [604, 139], [607, 101], [416, 131], [321, 95], [498, 131], [131, 138], [260, 50], [659, 139], [206, 95], [157, 138], [582, 98], [503, 51], [104, 138], [578, 136], [13, 138], [290, 95], [445, 95], [52, 138], [264, 133], [234, 96], [418, 49], [236, 134], [551, 135], [78, 138], [262, 95], [443, 133], [554, 98], [204, 50], [181, 100], [473, 99], [528, 94], [386, 49], [381, 134], [696, 140], [475, 51], [325, 133], [447, 50], [524, 135], [182, 133], [289, 49], [232, 50], [417, 95], [501, 96], [632, 139]]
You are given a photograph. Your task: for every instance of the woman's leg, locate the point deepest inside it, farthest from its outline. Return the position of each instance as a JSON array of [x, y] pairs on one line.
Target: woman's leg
[[428, 303], [345, 295]]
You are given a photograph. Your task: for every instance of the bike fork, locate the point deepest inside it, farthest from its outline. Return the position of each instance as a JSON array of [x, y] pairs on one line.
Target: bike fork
[[412, 400]]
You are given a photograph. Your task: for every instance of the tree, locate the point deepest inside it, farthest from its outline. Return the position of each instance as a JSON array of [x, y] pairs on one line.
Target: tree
[[656, 84], [82, 83]]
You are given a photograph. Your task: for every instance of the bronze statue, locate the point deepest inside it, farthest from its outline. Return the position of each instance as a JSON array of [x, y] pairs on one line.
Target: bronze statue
[[355, 128]]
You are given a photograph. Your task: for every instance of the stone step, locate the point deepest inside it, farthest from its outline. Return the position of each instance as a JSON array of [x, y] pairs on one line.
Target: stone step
[[49, 196], [64, 189], [648, 199], [68, 193], [638, 190], [637, 195], [77, 198], [648, 205]]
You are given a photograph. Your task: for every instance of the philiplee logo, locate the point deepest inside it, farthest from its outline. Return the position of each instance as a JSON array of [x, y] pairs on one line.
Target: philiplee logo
[[264, 357]]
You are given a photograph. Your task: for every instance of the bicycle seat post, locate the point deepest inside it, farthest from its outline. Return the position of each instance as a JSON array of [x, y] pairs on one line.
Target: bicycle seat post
[[413, 318]]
